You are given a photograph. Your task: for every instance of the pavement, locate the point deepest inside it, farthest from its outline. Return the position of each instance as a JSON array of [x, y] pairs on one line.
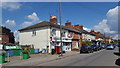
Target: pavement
[[72, 58], [36, 59]]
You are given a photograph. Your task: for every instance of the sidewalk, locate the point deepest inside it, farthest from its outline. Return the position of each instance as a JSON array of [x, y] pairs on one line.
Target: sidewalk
[[37, 59]]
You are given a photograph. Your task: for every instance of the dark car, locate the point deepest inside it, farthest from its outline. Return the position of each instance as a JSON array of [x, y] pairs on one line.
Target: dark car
[[95, 47], [103, 46], [99, 47], [86, 49]]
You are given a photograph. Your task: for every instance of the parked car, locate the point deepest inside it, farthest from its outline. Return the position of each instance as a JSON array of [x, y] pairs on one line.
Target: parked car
[[103, 46], [99, 47], [86, 49], [110, 47], [95, 47], [113, 44]]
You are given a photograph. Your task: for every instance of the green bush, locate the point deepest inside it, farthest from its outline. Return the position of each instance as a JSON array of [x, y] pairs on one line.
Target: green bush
[[87, 43], [25, 51]]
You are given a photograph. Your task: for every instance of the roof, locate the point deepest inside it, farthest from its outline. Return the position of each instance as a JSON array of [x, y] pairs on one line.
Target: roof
[[71, 30], [84, 31], [46, 23], [42, 24]]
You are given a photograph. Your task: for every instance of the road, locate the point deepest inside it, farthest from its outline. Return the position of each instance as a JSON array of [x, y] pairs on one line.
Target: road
[[100, 58]]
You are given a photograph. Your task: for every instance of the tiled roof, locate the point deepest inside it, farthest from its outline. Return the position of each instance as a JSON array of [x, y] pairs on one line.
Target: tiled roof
[[46, 23]]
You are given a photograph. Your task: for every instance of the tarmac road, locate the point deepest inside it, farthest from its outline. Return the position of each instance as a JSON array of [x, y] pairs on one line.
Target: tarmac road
[[100, 58]]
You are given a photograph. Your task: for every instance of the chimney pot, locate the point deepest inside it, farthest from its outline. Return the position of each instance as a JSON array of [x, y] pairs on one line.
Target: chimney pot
[[68, 23], [53, 19], [79, 26]]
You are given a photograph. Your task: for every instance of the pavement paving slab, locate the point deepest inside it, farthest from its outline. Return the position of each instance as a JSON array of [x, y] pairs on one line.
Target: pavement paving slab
[[36, 59]]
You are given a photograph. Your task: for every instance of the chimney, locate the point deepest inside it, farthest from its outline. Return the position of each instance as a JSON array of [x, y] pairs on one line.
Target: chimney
[[98, 32], [53, 19], [92, 31], [68, 23], [79, 26]]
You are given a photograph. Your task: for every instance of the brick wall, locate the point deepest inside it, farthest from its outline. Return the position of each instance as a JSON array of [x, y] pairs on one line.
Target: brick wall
[[7, 35], [76, 38], [5, 39]]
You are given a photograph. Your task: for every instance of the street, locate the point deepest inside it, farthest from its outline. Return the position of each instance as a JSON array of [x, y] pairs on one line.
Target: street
[[102, 58], [99, 58]]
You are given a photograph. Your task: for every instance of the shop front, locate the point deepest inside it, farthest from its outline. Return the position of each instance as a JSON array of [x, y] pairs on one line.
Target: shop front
[[66, 45]]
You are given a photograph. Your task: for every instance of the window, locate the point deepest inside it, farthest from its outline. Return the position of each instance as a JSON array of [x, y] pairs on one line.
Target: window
[[33, 32], [63, 33], [70, 35], [0, 38], [78, 36]]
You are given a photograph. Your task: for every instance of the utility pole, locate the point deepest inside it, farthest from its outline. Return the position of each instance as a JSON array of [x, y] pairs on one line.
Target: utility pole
[[60, 17]]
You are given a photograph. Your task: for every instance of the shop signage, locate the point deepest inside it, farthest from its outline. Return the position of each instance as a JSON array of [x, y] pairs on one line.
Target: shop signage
[[11, 47]]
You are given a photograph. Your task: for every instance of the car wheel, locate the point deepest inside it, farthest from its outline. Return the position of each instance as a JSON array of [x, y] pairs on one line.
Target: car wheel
[[89, 51], [92, 51]]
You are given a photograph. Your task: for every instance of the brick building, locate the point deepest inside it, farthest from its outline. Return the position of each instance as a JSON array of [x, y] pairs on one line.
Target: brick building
[[6, 36], [77, 39]]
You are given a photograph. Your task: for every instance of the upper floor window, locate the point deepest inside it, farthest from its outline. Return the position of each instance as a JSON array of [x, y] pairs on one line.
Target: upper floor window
[[63, 33], [78, 36], [70, 35], [34, 32], [0, 38]]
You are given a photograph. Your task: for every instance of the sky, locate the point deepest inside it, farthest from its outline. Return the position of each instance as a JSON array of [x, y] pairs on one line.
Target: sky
[[100, 16]]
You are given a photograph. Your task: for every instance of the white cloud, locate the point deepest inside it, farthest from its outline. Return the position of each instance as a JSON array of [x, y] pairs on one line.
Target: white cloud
[[10, 23], [112, 17], [116, 36], [16, 34], [11, 5], [110, 24], [26, 23], [87, 29], [103, 27], [34, 17]]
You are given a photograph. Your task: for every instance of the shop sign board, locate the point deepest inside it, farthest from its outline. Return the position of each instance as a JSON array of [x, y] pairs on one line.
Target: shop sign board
[[11, 47]]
